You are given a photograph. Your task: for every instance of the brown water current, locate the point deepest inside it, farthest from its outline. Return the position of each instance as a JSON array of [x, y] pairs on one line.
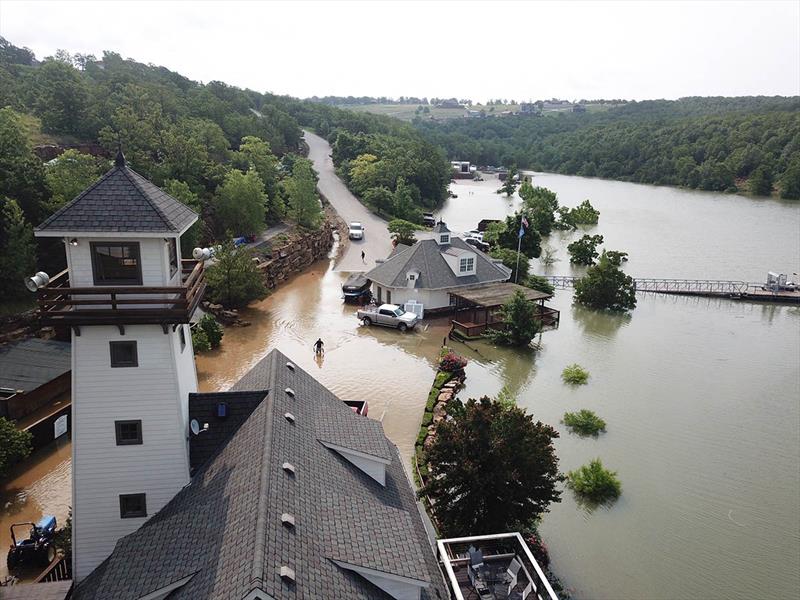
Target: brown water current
[[701, 396]]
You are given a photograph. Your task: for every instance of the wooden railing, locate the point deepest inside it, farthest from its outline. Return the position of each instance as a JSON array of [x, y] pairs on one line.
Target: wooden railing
[[60, 304], [59, 570]]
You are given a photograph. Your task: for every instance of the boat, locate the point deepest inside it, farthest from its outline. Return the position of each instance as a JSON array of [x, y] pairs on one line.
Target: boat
[[356, 289]]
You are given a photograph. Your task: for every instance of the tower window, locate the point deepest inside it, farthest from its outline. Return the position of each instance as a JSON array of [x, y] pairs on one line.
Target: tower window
[[124, 354], [129, 433], [132, 506], [116, 263]]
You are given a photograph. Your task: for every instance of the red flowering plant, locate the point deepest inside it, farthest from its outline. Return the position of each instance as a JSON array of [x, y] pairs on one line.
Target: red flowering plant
[[538, 549], [452, 362]]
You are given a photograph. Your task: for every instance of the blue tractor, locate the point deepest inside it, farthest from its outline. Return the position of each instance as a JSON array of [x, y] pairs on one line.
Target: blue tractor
[[37, 548]]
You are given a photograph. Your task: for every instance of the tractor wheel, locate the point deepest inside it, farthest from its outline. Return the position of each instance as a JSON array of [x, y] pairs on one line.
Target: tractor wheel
[[402, 327], [12, 560], [43, 555], [366, 321]]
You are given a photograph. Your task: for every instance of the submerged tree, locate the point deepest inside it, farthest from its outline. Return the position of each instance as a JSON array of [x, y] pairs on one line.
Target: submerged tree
[[520, 324], [15, 445], [234, 280], [510, 183], [584, 250], [606, 286], [492, 468]]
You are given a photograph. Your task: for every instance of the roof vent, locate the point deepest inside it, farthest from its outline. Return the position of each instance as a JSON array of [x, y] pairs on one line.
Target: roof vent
[[287, 520], [290, 366], [289, 392], [288, 467], [287, 574], [289, 417]]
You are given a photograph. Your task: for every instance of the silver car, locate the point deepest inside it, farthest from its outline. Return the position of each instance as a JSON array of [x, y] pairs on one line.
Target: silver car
[[388, 315]]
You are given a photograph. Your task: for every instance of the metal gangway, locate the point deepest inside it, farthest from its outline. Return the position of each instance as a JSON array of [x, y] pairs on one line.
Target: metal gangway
[[671, 286]]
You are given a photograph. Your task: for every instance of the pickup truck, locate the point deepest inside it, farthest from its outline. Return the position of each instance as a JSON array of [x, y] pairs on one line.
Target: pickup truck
[[388, 315]]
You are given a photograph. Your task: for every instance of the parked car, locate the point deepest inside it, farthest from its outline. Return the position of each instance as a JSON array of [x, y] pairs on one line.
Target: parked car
[[388, 315], [356, 231], [476, 243], [473, 233], [356, 289], [428, 219]]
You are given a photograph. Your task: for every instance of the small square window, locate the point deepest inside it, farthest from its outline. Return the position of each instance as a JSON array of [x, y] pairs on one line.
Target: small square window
[[172, 249], [129, 433], [124, 354], [132, 506], [182, 335]]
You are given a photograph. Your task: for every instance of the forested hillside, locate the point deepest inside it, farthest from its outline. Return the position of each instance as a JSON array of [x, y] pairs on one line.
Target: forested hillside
[[225, 151], [707, 143]]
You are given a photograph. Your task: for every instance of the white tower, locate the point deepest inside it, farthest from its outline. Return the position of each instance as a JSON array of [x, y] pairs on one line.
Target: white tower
[[127, 297]]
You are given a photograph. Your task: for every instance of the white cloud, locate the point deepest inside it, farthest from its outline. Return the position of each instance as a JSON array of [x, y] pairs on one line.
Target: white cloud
[[466, 49]]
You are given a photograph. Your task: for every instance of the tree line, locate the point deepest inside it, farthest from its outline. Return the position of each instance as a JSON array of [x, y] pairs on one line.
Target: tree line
[[717, 144]]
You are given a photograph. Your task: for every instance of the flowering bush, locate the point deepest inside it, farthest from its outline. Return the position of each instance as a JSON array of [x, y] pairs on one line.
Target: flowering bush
[[452, 362], [539, 550]]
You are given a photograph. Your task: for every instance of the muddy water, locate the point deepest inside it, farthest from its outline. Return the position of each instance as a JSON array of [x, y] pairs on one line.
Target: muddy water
[[390, 370], [42, 485]]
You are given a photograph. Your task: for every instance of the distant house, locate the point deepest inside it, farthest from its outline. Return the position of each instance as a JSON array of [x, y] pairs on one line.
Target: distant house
[[431, 269], [293, 495], [450, 103], [462, 169]]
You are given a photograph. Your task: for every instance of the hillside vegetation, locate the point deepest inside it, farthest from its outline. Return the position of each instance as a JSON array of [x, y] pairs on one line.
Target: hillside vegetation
[[721, 144]]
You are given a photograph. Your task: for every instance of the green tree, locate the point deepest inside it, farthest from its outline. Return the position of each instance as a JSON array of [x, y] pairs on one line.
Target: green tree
[[403, 203], [584, 250], [617, 257], [510, 183], [14, 445], [255, 153], [212, 329], [21, 172], [402, 232], [594, 483], [304, 206], [62, 99], [760, 182], [493, 232], [240, 203], [17, 250], [541, 205], [379, 198], [584, 422], [234, 280], [70, 174], [790, 182], [519, 264], [181, 191], [531, 243], [520, 324], [489, 455], [584, 214], [537, 282], [605, 286]]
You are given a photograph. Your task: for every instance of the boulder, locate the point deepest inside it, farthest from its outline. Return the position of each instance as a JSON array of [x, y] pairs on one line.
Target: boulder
[[439, 410], [428, 443], [445, 396]]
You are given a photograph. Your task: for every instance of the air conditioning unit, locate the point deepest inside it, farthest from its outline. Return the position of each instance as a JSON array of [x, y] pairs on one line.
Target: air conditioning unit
[[415, 307]]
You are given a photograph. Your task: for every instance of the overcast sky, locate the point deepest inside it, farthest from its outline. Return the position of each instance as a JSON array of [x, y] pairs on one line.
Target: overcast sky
[[477, 50]]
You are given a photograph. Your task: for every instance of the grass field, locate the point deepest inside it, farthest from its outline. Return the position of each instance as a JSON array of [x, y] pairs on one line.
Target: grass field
[[407, 112]]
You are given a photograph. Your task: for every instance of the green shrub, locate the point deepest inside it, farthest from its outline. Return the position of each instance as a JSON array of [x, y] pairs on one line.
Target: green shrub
[[423, 433], [15, 445], [584, 422], [200, 341], [441, 378], [432, 397], [575, 374], [212, 329], [427, 418], [595, 483]]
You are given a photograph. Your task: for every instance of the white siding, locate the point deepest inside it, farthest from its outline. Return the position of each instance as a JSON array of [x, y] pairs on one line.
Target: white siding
[[154, 392], [153, 254], [431, 299]]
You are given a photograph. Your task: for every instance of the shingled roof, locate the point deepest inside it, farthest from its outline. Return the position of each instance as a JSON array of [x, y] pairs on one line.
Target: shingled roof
[[426, 258], [120, 201], [222, 536], [27, 364]]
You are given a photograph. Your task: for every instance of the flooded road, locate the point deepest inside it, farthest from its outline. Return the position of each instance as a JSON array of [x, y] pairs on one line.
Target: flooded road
[[700, 395]]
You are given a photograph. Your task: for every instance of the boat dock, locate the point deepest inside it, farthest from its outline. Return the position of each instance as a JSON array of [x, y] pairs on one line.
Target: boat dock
[[710, 288]]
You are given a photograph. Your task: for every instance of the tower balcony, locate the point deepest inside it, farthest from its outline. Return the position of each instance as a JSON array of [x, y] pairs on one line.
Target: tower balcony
[[62, 305]]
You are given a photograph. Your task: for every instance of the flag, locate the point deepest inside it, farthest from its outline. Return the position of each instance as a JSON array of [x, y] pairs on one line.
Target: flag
[[522, 227]]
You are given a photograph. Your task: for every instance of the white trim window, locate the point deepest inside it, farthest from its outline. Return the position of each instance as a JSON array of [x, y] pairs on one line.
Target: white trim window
[[466, 265]]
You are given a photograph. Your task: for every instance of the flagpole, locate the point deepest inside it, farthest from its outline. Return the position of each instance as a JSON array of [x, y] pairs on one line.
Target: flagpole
[[519, 245]]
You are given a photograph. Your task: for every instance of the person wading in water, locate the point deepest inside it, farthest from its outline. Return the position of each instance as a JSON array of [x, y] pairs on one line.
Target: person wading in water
[[319, 347]]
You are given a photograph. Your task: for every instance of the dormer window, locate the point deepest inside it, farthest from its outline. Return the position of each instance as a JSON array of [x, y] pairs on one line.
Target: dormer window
[[444, 238], [466, 265], [116, 263], [412, 277]]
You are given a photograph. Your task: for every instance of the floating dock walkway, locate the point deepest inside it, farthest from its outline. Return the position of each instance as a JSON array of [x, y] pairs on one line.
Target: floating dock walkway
[[710, 288]]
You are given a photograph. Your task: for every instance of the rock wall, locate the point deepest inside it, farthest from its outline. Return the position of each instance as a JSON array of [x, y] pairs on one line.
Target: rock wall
[[292, 252]]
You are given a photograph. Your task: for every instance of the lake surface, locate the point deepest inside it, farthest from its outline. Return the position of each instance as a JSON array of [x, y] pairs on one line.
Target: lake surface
[[700, 395]]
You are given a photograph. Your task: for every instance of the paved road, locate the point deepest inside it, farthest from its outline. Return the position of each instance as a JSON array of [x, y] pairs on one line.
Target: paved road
[[376, 242]]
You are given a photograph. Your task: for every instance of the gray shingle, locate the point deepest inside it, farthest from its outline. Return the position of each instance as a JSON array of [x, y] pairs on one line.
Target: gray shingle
[[27, 364], [426, 257], [226, 528], [124, 201]]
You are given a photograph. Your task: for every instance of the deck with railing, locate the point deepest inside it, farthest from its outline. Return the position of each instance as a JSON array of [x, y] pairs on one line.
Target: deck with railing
[[61, 304]]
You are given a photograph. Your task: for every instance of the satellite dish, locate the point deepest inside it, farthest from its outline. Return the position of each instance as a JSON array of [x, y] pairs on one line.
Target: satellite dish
[[194, 426]]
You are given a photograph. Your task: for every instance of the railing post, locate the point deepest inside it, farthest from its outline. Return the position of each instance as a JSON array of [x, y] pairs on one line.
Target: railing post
[[113, 301]]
